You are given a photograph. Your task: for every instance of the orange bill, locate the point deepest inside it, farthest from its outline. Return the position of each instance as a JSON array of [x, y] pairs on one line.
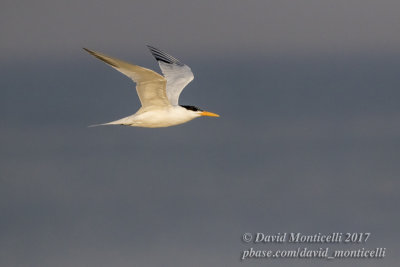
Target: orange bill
[[210, 114]]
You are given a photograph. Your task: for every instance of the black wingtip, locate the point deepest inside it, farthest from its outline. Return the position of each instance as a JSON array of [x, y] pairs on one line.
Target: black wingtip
[[102, 57], [88, 50], [163, 56]]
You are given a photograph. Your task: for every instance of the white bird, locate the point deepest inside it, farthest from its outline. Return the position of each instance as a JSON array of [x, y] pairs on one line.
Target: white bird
[[158, 94]]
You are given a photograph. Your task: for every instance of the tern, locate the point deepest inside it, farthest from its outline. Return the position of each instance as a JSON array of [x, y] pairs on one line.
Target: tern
[[158, 94]]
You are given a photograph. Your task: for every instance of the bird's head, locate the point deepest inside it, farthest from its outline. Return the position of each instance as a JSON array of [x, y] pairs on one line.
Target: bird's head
[[199, 112]]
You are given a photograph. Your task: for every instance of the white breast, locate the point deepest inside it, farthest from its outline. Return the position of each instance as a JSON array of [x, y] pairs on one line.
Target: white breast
[[161, 117]]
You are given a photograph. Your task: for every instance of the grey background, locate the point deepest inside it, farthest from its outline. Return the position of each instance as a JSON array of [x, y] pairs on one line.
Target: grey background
[[308, 138]]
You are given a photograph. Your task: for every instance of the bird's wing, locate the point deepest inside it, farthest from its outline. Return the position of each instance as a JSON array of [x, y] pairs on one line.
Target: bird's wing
[[150, 86], [178, 75]]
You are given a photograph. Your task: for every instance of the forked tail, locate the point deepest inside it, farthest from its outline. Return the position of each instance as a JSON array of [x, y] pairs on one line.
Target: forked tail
[[117, 122], [104, 124]]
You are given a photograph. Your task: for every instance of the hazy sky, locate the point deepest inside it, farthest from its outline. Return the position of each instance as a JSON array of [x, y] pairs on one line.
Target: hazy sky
[[57, 28], [308, 138]]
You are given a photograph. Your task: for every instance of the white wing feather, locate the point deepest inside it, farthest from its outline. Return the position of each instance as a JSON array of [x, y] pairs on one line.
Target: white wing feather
[[150, 86], [178, 75]]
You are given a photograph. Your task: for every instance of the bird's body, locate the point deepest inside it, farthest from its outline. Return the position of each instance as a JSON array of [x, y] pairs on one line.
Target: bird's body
[[158, 94], [153, 117]]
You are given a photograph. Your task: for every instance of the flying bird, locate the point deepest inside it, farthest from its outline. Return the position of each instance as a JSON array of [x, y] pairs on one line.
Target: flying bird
[[158, 94]]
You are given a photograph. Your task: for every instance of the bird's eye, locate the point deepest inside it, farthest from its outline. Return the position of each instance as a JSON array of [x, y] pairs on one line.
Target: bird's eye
[[192, 108]]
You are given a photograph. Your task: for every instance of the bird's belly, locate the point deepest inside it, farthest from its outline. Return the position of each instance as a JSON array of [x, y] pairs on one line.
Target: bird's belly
[[164, 118]]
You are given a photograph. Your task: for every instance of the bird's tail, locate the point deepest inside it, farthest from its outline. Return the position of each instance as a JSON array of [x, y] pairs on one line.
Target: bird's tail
[[122, 121], [95, 125]]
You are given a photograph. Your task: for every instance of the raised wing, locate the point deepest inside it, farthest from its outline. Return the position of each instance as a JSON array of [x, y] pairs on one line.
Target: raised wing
[[178, 75], [150, 86]]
